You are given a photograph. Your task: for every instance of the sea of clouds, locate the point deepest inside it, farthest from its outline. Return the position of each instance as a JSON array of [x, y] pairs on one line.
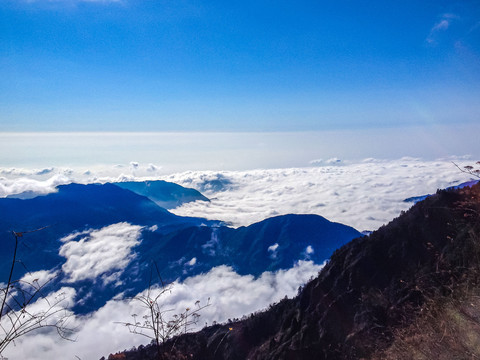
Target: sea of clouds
[[364, 194]]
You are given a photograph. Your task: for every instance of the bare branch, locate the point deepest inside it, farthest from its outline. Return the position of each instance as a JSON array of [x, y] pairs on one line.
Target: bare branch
[[16, 315], [471, 170], [157, 326]]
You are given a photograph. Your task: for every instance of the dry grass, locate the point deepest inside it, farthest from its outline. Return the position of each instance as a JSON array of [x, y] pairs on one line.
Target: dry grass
[[446, 331]]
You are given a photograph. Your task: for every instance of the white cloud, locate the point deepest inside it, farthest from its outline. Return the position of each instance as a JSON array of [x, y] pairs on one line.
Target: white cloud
[[442, 25], [332, 161], [153, 168], [210, 247], [273, 247], [98, 252], [153, 228], [74, 235], [26, 172], [37, 279], [64, 298], [273, 250], [112, 278], [364, 195], [309, 250], [42, 318], [316, 162], [15, 186], [231, 296]]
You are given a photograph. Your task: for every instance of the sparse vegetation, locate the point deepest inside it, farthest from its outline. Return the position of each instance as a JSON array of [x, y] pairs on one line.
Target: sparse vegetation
[[471, 170], [449, 329], [157, 323], [25, 307]]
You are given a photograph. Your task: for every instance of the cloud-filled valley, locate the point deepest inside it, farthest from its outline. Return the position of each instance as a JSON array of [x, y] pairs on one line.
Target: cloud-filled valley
[[231, 296], [364, 195]]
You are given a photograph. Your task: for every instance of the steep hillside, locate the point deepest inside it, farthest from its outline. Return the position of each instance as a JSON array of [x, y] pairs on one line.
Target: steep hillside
[[412, 282]]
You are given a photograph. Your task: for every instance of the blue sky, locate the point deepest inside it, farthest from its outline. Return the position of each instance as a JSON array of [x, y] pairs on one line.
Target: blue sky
[[154, 65]]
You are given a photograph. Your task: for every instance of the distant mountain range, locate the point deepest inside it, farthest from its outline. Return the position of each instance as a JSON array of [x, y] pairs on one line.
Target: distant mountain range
[[90, 225], [73, 208]]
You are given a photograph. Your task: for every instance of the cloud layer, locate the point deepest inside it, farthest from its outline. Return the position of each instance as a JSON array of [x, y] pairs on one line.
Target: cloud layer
[[98, 253], [231, 295], [37, 279], [364, 195], [28, 183]]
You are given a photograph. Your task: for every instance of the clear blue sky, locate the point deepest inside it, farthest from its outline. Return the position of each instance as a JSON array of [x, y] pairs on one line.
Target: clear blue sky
[[183, 65]]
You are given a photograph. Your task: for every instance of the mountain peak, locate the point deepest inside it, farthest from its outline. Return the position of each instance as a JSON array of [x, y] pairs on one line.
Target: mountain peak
[[165, 194]]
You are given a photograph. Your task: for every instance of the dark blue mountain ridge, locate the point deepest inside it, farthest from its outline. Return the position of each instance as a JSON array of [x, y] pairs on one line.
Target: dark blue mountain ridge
[[269, 245], [76, 207], [165, 194], [180, 246], [245, 249]]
